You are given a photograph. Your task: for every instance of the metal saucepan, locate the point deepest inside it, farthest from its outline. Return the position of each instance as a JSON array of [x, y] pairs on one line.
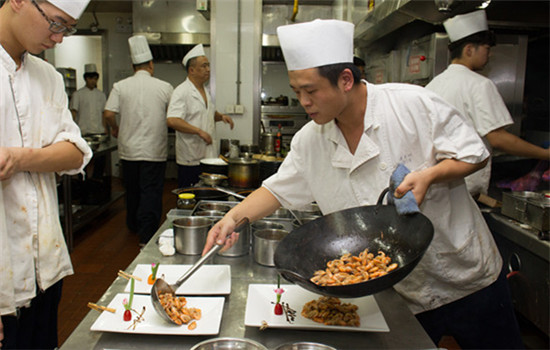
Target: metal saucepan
[[308, 248], [160, 286], [202, 193]]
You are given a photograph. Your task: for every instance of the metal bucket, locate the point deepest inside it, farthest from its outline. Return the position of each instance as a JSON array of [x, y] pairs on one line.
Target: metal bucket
[[190, 234]]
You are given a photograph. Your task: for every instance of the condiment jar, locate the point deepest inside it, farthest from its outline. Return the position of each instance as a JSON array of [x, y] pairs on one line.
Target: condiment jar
[[186, 201]]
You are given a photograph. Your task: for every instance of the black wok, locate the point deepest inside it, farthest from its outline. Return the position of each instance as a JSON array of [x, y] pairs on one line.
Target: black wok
[[203, 193], [377, 227]]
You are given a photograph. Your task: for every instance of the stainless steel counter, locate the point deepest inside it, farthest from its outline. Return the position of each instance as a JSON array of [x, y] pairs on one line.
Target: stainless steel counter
[[405, 331]]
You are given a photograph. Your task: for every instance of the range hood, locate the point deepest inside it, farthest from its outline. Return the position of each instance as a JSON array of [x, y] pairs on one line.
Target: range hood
[[171, 27]]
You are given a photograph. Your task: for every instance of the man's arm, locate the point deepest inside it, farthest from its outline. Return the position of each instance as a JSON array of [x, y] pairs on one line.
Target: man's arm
[[255, 206], [225, 118], [447, 170], [181, 125], [109, 119], [511, 144], [57, 157]]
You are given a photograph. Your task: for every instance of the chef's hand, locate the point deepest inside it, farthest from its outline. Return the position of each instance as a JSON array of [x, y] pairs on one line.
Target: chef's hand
[[416, 182], [223, 232], [114, 131], [8, 162], [227, 120], [205, 136]]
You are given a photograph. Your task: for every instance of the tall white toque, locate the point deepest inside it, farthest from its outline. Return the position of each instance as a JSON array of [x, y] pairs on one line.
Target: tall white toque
[[139, 49], [316, 43], [461, 26], [71, 7], [195, 52]]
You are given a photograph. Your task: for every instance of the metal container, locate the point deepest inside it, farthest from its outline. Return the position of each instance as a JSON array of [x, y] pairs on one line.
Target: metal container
[[244, 172], [213, 166], [265, 244], [190, 234], [311, 209], [304, 346], [229, 344], [527, 207], [304, 220], [242, 246], [264, 224], [215, 206], [280, 213], [212, 179], [249, 148], [210, 213], [267, 143]]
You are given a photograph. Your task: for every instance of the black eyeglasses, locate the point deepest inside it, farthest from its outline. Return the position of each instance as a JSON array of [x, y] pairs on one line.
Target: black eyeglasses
[[55, 27]]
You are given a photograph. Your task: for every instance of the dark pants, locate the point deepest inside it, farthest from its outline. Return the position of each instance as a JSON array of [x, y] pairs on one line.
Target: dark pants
[[188, 175], [482, 320], [99, 166], [144, 182], [36, 326]]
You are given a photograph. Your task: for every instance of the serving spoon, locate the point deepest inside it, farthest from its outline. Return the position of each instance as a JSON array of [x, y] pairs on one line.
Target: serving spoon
[[161, 286]]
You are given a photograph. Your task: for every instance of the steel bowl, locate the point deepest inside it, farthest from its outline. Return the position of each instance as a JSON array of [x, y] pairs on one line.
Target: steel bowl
[[212, 179], [304, 346], [215, 206], [210, 213], [229, 344]]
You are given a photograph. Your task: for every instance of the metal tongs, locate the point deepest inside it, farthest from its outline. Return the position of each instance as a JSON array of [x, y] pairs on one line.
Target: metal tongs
[[161, 287]]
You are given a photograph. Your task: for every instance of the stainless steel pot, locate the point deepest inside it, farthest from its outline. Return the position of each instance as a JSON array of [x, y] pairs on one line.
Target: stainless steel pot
[[215, 206], [229, 344], [190, 234], [244, 172], [265, 244], [267, 143]]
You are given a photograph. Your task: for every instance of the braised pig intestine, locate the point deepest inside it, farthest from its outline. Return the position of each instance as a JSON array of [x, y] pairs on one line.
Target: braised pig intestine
[[330, 311]]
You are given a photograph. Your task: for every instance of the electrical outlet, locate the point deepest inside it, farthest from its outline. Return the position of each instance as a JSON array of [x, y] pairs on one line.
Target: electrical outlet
[[229, 109], [239, 109]]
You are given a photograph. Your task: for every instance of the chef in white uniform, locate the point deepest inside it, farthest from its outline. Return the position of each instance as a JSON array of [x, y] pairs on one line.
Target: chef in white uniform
[[38, 138], [87, 103], [475, 96], [192, 114], [345, 156], [142, 101]]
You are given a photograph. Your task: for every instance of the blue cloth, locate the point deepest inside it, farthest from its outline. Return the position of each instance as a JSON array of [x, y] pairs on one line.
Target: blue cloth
[[406, 204]]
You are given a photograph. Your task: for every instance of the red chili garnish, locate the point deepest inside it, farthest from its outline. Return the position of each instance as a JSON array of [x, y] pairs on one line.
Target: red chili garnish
[[127, 315], [278, 309]]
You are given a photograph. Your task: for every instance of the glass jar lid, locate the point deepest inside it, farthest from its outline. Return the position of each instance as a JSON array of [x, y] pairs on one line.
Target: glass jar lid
[[186, 195]]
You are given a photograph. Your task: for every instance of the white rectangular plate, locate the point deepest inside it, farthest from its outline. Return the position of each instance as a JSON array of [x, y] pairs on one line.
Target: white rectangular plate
[[207, 280], [259, 308], [209, 324]]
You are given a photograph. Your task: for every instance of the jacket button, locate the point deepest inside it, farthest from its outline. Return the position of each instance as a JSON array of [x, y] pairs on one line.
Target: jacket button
[[382, 166]]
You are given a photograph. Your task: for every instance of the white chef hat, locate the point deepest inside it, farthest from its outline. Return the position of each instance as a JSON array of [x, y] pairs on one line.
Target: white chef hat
[[195, 52], [90, 68], [316, 43], [139, 49], [461, 26], [73, 8]]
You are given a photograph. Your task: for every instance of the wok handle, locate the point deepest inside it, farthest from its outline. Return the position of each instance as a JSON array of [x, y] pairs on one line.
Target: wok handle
[[382, 195]]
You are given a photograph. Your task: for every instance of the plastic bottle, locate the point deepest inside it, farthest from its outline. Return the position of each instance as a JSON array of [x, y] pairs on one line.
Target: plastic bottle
[[186, 201]]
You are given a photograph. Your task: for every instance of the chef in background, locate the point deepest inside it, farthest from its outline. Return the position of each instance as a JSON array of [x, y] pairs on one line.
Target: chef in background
[[193, 115], [87, 105], [38, 138], [141, 100], [475, 96], [359, 133]]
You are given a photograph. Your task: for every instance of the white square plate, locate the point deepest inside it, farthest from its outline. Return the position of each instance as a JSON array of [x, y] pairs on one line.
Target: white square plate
[[207, 280], [259, 308], [209, 324]]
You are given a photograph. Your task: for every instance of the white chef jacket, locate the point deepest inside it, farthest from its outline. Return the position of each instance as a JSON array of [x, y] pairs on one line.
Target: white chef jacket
[[477, 98], [34, 114], [141, 100], [410, 125], [187, 104], [89, 104]]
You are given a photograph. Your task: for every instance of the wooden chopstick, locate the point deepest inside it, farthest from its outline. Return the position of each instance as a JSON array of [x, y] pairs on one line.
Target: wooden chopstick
[[100, 308], [128, 276]]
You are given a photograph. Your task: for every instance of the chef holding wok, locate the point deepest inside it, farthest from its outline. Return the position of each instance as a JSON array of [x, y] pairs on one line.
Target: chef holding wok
[[359, 135]]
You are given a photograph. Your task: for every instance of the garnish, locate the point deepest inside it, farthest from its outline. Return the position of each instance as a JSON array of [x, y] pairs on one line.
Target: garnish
[[138, 319], [127, 316], [153, 276], [279, 291]]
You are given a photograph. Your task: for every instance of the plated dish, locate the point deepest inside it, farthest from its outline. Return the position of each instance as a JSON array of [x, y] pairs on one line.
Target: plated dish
[[259, 310], [209, 324], [207, 280]]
